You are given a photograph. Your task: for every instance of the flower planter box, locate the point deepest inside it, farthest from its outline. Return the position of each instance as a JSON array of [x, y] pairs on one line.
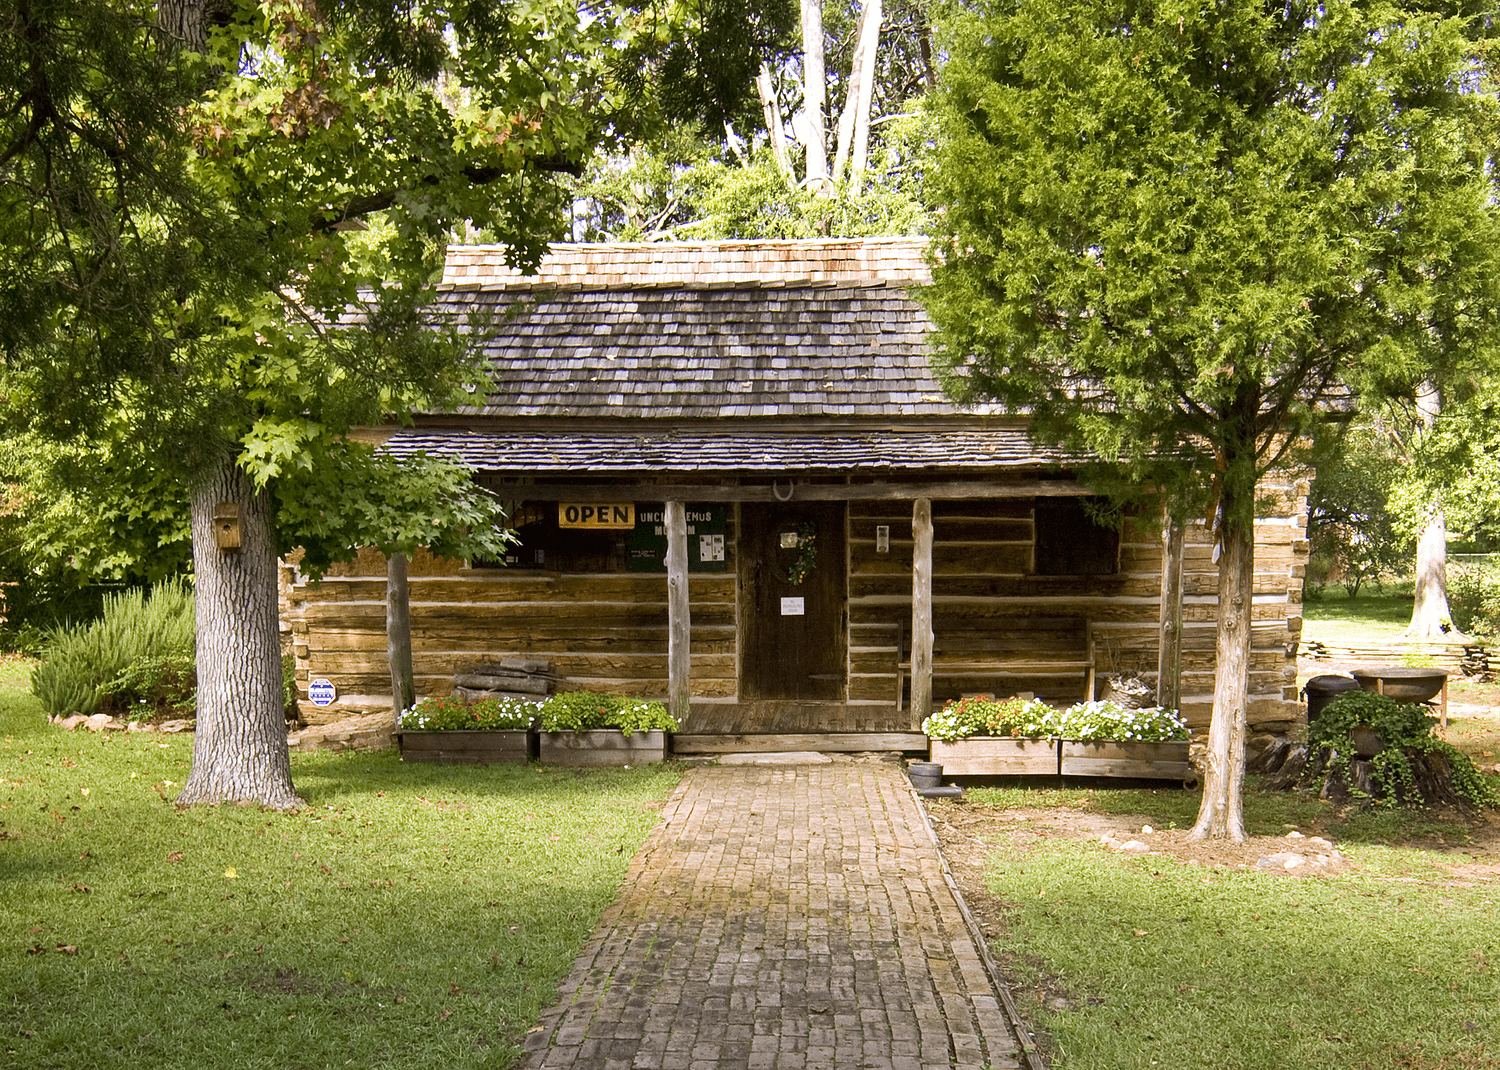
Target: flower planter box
[[995, 756], [1163, 761], [461, 746], [601, 746]]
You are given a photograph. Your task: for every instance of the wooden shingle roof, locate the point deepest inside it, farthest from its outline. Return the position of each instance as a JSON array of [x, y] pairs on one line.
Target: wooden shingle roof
[[746, 351], [747, 357]]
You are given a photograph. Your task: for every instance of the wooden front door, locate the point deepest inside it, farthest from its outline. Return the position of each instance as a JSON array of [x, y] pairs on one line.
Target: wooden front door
[[792, 590]]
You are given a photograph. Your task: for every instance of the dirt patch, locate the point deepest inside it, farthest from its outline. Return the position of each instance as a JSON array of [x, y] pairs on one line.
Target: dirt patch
[[971, 832]]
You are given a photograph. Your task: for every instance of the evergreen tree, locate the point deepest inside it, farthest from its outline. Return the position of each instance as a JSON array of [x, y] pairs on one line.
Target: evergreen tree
[[1173, 232]]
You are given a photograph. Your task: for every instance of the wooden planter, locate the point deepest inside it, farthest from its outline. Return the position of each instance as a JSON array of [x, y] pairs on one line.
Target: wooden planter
[[1163, 761], [995, 756], [482, 747], [601, 746]]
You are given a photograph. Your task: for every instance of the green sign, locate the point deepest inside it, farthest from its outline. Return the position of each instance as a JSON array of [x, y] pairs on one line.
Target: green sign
[[646, 545]]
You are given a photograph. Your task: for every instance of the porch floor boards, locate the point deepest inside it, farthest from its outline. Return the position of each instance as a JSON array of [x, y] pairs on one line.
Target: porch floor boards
[[771, 727], [793, 717]]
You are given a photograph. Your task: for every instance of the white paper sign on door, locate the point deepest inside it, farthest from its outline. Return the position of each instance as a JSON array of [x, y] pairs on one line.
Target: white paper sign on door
[[793, 607]]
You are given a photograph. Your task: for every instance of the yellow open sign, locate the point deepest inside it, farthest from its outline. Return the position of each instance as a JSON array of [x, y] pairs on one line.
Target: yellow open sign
[[596, 516]]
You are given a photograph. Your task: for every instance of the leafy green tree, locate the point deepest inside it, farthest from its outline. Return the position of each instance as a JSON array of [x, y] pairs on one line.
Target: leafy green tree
[[1171, 231], [222, 223], [1354, 535], [745, 179]]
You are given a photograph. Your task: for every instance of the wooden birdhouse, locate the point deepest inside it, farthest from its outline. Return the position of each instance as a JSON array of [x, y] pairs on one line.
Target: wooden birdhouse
[[227, 527]]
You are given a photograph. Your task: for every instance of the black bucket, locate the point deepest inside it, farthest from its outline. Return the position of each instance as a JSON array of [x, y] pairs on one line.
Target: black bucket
[[1321, 690], [925, 774]]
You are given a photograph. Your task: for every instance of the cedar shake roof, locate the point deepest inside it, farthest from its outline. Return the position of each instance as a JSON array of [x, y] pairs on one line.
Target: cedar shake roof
[[839, 350], [743, 356]]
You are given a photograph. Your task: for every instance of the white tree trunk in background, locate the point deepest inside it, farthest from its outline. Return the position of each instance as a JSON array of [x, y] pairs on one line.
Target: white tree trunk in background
[[239, 747], [814, 94], [862, 42], [771, 108], [869, 36], [1431, 619]]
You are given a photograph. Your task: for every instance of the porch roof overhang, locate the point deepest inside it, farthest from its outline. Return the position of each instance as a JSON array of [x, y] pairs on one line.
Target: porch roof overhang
[[955, 451]]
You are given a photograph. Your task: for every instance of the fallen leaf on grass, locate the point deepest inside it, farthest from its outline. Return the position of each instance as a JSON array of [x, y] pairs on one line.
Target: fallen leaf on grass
[[230, 873], [445, 1015], [175, 856], [68, 949]]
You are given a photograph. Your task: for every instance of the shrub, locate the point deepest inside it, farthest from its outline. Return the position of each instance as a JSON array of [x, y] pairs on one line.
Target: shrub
[[1474, 599], [1404, 730], [580, 711], [453, 714], [161, 683], [141, 648]]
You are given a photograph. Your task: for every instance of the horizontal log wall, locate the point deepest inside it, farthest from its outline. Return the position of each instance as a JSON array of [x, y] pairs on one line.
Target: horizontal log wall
[[981, 562], [601, 632], [609, 632]]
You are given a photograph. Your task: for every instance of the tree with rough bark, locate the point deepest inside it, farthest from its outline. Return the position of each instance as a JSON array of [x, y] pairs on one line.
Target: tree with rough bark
[[1172, 233], [221, 225]]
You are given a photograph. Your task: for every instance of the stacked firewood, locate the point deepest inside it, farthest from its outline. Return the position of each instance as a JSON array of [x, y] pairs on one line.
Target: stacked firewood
[[530, 679]]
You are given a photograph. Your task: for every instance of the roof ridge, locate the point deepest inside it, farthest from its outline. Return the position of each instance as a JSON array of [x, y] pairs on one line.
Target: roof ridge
[[763, 262]]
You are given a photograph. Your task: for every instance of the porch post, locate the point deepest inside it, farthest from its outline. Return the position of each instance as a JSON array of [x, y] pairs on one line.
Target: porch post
[[1169, 653], [921, 610], [679, 624]]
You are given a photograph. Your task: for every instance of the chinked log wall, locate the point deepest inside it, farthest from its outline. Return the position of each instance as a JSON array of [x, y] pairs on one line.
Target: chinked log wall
[[601, 632], [981, 563], [609, 632]]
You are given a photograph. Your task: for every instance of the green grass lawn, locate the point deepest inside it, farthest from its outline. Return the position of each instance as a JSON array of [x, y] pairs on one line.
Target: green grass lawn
[[1375, 616], [412, 916], [1393, 963], [1152, 962]]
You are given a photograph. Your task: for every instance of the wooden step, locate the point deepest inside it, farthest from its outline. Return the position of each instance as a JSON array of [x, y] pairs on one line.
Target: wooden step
[[783, 742]]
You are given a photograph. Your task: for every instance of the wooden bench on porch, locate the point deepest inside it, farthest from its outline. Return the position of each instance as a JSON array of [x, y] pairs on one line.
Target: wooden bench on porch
[[977, 651]]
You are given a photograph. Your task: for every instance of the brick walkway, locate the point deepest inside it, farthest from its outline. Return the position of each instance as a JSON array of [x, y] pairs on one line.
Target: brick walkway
[[792, 916]]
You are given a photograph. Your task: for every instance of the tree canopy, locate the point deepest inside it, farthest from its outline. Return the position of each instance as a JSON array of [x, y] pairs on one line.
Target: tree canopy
[[222, 223], [1176, 233]]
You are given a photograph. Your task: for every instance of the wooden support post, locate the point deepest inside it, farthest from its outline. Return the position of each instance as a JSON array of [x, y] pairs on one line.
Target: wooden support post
[[921, 610], [1169, 653], [398, 633], [679, 621]]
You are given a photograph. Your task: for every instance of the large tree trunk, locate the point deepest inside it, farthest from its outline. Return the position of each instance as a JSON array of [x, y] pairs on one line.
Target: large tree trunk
[[1221, 813], [814, 94], [239, 748], [1431, 619], [398, 635]]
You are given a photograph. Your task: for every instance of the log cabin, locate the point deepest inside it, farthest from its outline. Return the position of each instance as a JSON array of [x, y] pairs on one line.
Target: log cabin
[[734, 483]]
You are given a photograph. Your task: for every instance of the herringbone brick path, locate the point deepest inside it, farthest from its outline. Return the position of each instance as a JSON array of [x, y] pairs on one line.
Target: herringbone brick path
[[781, 917]]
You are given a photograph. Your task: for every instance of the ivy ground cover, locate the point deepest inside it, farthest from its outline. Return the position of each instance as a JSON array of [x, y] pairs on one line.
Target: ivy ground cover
[[410, 916]]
